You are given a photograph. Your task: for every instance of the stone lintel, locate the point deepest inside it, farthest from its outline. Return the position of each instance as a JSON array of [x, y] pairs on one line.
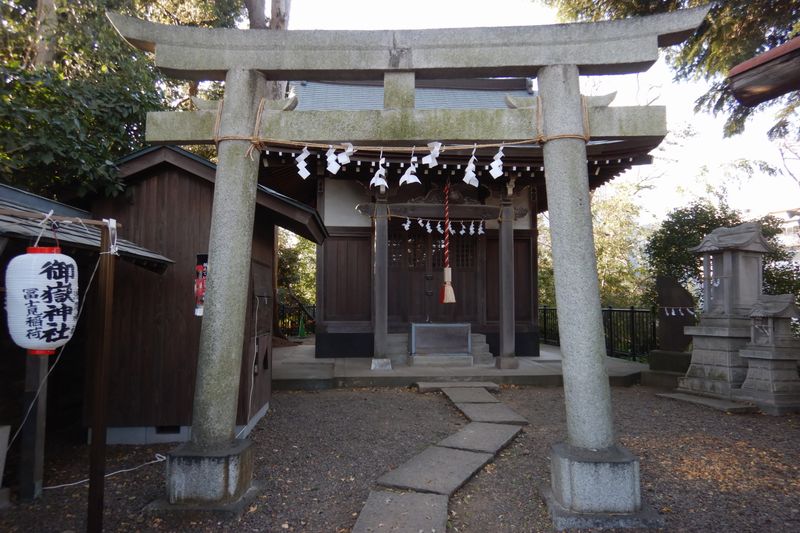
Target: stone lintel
[[411, 126], [608, 47], [218, 475]]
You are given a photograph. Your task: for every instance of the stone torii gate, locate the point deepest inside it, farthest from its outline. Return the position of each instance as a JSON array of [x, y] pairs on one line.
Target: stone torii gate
[[591, 475]]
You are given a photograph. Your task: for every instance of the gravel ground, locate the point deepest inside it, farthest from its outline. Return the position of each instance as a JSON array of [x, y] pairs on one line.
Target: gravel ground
[[318, 454]]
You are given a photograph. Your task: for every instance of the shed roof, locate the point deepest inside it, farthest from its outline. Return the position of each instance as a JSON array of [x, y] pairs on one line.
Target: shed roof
[[74, 233], [287, 213], [768, 75]]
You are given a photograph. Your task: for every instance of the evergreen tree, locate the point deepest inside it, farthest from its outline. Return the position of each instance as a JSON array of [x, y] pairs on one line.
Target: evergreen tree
[[734, 31]]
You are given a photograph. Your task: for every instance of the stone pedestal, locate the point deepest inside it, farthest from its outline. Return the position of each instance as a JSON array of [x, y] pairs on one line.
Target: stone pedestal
[[716, 369], [772, 381], [220, 476], [596, 488]]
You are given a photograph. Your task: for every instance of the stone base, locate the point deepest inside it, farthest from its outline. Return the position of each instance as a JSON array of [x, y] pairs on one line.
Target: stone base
[[716, 369], [563, 518], [507, 362], [603, 482], [231, 510], [772, 382], [218, 476], [381, 364], [5, 498]]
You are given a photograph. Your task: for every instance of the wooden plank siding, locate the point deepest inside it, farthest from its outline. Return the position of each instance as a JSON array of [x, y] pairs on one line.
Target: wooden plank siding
[[156, 334]]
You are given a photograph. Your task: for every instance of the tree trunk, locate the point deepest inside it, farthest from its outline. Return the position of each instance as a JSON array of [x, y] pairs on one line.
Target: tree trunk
[[46, 21], [256, 12]]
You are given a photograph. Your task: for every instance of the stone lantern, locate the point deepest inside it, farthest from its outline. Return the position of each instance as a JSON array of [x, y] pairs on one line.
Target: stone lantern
[[732, 261], [772, 380]]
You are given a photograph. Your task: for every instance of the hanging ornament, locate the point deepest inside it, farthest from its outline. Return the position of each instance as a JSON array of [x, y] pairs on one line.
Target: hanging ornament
[[409, 175], [463, 229], [450, 229], [421, 223], [379, 179], [496, 167], [333, 165], [469, 172], [472, 227], [480, 228], [344, 157], [407, 224], [42, 299], [428, 227], [447, 294], [439, 227], [430, 159], [302, 166]]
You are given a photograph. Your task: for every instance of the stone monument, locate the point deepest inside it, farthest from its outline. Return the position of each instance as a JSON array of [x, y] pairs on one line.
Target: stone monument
[[772, 380], [732, 279]]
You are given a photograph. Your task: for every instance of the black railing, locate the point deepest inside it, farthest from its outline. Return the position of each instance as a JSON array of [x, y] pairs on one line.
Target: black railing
[[290, 318], [630, 333]]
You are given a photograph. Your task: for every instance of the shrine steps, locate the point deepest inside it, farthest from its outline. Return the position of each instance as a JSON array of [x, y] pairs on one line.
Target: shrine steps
[[397, 348]]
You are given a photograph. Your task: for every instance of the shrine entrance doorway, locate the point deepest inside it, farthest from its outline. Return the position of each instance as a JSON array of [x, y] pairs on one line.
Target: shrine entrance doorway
[[416, 263]]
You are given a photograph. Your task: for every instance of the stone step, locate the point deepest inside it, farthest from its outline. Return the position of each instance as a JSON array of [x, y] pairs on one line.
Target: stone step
[[395, 512], [726, 406], [435, 386], [481, 437], [494, 413], [436, 469], [440, 360], [469, 395]]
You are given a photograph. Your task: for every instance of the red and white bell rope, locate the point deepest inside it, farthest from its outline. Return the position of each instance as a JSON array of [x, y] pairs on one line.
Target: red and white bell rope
[[448, 295]]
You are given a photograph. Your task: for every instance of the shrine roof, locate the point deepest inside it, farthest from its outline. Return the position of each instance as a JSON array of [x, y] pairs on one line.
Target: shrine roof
[[323, 96]]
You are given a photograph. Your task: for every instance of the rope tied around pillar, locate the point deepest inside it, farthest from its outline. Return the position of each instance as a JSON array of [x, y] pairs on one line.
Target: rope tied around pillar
[[541, 138]]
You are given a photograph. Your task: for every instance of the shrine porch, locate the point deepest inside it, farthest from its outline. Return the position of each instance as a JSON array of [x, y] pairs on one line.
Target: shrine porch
[[294, 367]]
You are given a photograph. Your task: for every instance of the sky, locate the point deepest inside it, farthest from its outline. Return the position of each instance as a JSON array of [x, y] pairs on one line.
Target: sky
[[700, 166]]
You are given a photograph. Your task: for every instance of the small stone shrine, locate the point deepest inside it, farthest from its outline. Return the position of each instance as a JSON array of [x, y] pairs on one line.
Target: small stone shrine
[[732, 261], [772, 380]]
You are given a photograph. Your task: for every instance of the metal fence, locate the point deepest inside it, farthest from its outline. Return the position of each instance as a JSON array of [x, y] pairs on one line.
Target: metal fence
[[630, 333], [290, 318]]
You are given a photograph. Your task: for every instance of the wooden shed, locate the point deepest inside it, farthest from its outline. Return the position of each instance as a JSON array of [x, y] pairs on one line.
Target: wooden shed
[[167, 207]]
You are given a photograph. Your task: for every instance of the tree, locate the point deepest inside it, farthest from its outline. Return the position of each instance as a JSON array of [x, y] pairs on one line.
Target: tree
[[618, 242], [297, 269], [65, 117], [668, 253], [734, 31], [74, 95]]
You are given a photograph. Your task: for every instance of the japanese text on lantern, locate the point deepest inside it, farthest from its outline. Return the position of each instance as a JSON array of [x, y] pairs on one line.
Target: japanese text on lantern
[[49, 309]]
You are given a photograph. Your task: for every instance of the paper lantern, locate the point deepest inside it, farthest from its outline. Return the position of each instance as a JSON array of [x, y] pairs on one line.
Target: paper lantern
[[42, 299]]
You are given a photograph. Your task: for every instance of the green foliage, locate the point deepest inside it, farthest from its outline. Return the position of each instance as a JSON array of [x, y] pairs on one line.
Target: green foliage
[[618, 244], [733, 32], [668, 253], [297, 268], [62, 126]]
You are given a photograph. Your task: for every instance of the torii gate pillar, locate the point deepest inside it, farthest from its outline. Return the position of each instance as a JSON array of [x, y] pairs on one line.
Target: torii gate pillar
[[592, 478], [215, 467]]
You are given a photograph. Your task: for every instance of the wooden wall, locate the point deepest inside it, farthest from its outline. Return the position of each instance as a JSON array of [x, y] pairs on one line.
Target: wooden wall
[[156, 334]]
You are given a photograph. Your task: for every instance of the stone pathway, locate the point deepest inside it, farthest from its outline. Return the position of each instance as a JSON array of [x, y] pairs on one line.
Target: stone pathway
[[433, 475]]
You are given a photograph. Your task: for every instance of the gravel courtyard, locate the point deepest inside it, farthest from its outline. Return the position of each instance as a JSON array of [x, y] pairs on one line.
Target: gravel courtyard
[[319, 453]]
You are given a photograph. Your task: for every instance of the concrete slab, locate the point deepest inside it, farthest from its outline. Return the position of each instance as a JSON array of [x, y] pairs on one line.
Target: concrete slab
[[494, 413], [395, 512], [434, 386], [482, 437], [726, 406], [469, 395], [438, 470]]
